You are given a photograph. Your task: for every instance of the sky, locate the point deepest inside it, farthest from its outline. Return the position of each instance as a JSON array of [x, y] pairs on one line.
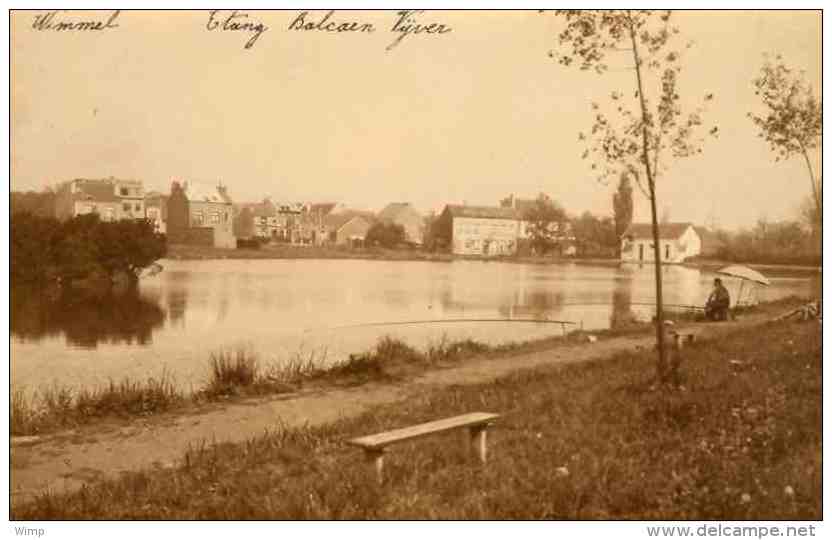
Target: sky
[[467, 116]]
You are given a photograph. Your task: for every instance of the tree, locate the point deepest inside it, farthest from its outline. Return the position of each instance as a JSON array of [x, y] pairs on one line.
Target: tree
[[387, 235], [791, 122], [126, 247], [622, 205], [644, 130], [594, 235], [546, 220]]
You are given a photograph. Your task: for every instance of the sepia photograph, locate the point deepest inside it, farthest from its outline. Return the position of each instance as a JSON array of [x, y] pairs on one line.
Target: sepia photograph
[[416, 264]]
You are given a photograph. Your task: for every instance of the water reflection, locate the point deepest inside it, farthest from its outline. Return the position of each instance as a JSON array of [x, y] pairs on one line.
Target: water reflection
[[622, 314], [279, 307], [84, 318]]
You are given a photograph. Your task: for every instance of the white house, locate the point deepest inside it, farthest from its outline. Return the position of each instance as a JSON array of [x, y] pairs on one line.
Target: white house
[[677, 242], [480, 230]]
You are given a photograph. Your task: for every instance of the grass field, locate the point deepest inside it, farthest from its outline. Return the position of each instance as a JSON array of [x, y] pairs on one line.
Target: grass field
[[740, 440]]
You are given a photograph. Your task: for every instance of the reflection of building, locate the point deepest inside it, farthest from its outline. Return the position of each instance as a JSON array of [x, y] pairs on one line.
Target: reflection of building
[[479, 230], [405, 215], [677, 242], [112, 199], [199, 215]]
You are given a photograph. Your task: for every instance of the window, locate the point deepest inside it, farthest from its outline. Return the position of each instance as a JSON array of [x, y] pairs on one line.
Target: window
[[198, 218], [137, 207], [667, 251], [126, 207], [215, 217], [124, 192]]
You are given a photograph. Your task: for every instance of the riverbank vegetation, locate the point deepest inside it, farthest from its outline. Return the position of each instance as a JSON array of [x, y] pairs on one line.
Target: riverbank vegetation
[[783, 242], [740, 440], [241, 373], [47, 251]]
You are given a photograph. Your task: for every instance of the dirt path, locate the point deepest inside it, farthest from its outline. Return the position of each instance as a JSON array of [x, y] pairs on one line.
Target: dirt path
[[66, 461]]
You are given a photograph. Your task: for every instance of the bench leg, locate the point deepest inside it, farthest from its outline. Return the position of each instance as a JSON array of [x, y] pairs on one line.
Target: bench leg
[[478, 441], [375, 458]]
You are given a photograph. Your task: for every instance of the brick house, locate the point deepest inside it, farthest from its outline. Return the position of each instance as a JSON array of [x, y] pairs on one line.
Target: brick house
[[199, 215]]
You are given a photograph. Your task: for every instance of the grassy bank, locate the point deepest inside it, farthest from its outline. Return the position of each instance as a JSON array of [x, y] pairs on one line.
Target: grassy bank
[[583, 441], [240, 373]]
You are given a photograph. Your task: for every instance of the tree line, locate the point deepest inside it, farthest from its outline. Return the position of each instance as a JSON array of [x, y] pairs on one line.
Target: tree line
[[45, 250]]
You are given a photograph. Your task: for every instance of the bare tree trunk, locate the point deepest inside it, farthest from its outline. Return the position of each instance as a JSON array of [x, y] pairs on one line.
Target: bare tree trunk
[[661, 364], [815, 193]]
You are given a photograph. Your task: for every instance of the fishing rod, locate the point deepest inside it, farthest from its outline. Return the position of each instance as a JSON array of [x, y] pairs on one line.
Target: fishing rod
[[439, 321], [534, 321], [686, 306]]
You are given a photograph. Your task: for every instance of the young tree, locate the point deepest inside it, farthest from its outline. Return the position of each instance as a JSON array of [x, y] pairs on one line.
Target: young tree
[[646, 129], [622, 206], [546, 220], [792, 121]]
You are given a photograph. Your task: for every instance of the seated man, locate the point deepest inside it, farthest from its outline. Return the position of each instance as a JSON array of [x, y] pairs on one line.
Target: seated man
[[716, 309]]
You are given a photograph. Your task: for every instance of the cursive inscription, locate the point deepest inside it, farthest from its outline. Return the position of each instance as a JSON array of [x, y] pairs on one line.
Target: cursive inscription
[[305, 22], [50, 21], [237, 21], [407, 25]]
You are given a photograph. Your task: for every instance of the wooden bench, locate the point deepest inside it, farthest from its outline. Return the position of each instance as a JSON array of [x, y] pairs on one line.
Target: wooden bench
[[375, 445]]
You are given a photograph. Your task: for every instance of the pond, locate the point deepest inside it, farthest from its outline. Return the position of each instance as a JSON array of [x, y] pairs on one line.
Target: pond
[[329, 308]]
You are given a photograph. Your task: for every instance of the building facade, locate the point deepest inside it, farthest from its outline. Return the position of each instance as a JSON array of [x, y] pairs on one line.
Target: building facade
[[677, 242], [199, 215], [111, 198], [156, 210], [347, 228], [479, 230]]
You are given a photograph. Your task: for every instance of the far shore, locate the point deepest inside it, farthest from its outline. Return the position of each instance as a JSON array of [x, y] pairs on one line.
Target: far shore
[[288, 251]]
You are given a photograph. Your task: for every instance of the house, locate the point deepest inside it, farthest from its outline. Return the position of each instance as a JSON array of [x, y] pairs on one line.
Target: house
[[346, 228], [309, 226], [677, 242], [156, 210], [479, 230], [200, 215], [560, 232], [290, 221], [404, 214], [264, 219], [111, 198]]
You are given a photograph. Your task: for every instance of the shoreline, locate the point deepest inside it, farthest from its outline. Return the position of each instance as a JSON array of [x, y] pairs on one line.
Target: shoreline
[[388, 360], [278, 252], [101, 452]]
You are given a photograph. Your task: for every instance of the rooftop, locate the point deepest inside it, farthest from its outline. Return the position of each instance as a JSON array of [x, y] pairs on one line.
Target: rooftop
[[482, 212], [666, 230]]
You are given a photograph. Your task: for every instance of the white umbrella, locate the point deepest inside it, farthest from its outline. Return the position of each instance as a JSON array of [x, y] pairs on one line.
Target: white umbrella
[[743, 273]]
